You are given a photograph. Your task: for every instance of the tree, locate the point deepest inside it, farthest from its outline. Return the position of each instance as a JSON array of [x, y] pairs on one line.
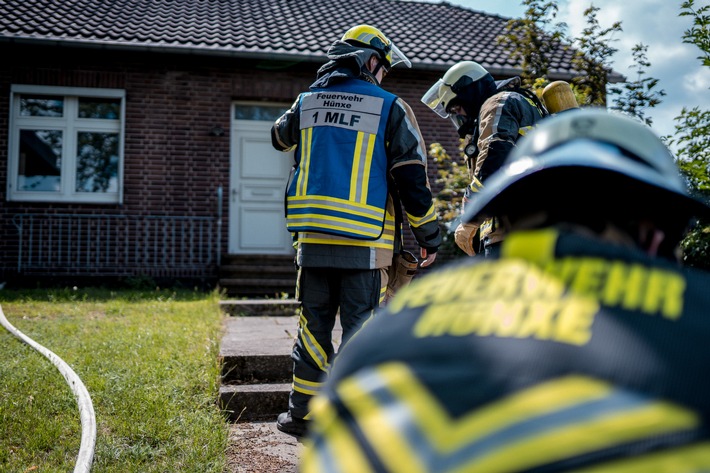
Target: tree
[[533, 39], [452, 178], [592, 58], [635, 97], [692, 137]]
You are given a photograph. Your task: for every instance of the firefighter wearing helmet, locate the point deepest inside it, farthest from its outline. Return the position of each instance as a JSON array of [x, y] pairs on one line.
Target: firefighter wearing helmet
[[490, 116], [582, 346], [360, 158]]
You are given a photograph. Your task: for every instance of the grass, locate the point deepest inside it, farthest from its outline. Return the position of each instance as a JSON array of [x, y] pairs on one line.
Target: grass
[[150, 363]]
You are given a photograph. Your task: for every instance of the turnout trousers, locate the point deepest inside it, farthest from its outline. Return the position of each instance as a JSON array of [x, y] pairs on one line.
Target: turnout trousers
[[325, 293]]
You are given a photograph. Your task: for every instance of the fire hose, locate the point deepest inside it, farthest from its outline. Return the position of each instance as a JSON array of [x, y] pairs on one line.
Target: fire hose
[[86, 408]]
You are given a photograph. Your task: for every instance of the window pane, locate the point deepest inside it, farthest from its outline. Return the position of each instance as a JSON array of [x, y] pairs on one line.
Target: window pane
[[258, 112], [97, 162], [41, 106], [40, 160], [100, 108]]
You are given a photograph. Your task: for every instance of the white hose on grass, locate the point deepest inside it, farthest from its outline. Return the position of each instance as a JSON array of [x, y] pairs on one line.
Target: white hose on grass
[[86, 408]]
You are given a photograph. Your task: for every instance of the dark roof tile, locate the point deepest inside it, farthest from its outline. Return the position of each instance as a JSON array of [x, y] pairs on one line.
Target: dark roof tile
[[433, 35]]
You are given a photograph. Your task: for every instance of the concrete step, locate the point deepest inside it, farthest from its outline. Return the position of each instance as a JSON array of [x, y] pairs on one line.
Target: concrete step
[[257, 349], [257, 275], [256, 365], [252, 402], [261, 307]]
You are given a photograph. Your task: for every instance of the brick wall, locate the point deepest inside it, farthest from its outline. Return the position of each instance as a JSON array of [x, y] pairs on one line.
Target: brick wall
[[173, 166]]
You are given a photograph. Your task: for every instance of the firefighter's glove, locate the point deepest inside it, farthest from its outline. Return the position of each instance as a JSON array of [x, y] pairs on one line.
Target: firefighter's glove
[[401, 273], [464, 235]]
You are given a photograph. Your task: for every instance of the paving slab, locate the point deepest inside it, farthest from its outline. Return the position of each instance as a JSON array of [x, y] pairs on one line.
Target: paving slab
[[263, 335], [259, 335], [257, 367]]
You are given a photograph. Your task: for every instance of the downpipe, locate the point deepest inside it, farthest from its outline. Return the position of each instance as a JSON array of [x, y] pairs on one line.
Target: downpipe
[[86, 408]]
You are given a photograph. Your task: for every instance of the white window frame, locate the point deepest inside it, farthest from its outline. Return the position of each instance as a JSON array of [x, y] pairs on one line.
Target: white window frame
[[69, 124]]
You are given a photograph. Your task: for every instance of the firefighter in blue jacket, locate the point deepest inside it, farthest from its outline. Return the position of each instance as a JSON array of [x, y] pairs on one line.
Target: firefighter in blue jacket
[[582, 347], [360, 158], [490, 116]]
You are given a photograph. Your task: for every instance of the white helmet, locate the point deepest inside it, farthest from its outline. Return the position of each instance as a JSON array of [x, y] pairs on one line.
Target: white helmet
[[455, 80], [575, 157]]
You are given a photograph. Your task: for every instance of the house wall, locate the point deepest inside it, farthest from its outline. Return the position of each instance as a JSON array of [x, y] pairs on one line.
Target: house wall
[[173, 166]]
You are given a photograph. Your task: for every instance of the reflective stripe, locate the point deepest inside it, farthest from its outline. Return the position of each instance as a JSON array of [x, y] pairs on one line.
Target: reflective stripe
[[338, 216], [335, 205], [622, 418], [339, 452], [693, 458], [304, 386], [334, 225], [486, 228], [312, 346], [537, 246], [524, 130], [362, 163], [385, 244], [301, 185], [385, 241], [475, 185], [379, 423], [430, 216], [410, 430]]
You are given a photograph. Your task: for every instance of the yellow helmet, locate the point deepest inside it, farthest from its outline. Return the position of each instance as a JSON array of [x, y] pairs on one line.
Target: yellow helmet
[[372, 38]]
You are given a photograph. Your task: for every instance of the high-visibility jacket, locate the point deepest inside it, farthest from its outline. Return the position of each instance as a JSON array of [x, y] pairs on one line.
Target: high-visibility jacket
[[337, 221], [340, 184], [566, 354]]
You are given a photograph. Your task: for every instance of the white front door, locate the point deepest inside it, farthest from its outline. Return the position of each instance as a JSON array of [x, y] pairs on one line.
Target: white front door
[[258, 177]]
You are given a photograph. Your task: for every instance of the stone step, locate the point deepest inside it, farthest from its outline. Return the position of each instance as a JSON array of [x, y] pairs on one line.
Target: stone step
[[256, 365], [259, 307], [257, 275], [251, 402], [255, 352], [257, 287], [256, 369], [257, 349]]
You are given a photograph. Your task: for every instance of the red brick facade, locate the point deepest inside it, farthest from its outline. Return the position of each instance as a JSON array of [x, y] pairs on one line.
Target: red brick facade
[[173, 165]]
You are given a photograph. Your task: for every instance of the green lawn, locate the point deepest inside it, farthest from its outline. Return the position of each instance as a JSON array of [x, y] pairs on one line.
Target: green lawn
[[150, 363]]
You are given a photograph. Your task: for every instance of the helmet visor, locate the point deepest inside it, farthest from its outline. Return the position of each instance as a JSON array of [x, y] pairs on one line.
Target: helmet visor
[[396, 56], [433, 98], [457, 120]]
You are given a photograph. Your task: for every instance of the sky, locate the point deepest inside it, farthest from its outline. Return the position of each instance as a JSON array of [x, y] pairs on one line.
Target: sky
[[654, 23]]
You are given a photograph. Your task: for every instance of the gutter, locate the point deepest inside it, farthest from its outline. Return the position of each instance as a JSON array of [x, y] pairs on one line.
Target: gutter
[[305, 57]]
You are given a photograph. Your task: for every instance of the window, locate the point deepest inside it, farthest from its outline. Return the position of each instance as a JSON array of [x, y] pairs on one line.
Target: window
[[65, 144], [261, 112]]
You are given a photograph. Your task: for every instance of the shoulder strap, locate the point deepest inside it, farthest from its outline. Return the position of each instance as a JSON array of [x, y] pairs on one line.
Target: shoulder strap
[[535, 99]]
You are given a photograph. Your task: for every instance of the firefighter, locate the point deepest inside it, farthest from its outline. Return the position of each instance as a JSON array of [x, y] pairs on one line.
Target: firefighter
[[490, 116], [360, 159], [581, 347]]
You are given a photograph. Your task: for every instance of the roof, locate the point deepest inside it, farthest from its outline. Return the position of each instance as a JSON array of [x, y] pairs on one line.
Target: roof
[[433, 35]]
